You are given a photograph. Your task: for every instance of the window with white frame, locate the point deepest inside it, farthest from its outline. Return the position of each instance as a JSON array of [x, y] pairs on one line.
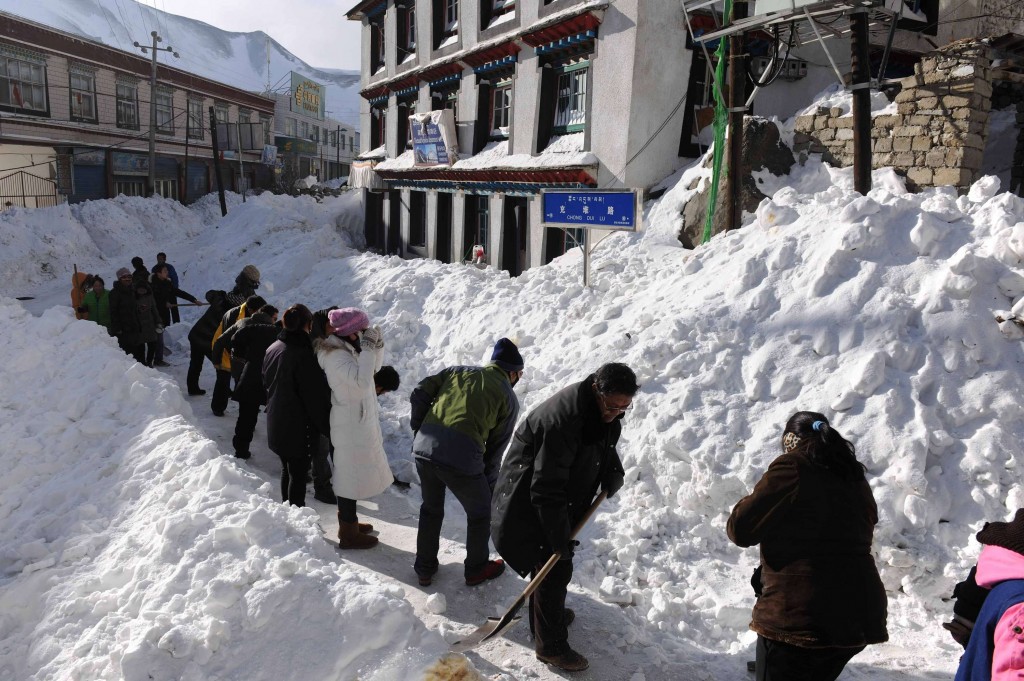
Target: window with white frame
[[221, 111], [127, 105], [130, 187], [244, 115], [451, 15], [378, 46], [499, 7], [165, 111], [571, 101], [304, 129], [22, 85], [83, 96], [410, 27], [501, 107], [291, 127], [268, 127], [196, 129], [166, 188]]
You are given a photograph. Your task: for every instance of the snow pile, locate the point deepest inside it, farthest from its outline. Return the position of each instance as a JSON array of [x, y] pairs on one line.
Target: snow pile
[[132, 549], [878, 311]]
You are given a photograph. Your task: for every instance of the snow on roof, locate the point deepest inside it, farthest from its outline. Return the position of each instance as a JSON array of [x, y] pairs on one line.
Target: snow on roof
[[380, 152], [564, 151]]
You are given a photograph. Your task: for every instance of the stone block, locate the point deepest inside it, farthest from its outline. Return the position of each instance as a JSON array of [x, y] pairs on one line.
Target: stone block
[[826, 135], [845, 160], [964, 157], [888, 121], [844, 122], [908, 95], [951, 176], [883, 145], [848, 147], [804, 123], [921, 177], [929, 102], [923, 143], [906, 108], [936, 158], [928, 64], [970, 114], [908, 131], [919, 119], [956, 101], [903, 159], [820, 122], [902, 143], [835, 112], [844, 134], [881, 160]]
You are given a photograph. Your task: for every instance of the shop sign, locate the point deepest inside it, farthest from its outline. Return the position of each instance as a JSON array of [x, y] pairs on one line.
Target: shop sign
[[433, 138], [307, 96], [294, 145], [129, 164]]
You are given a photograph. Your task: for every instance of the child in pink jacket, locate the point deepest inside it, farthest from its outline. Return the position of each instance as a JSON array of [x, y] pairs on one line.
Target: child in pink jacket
[[995, 650]]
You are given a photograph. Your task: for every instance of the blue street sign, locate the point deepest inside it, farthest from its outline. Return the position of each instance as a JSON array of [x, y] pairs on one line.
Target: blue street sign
[[593, 208]]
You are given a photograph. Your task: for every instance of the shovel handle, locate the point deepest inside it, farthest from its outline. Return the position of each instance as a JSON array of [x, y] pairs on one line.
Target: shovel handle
[[557, 556]]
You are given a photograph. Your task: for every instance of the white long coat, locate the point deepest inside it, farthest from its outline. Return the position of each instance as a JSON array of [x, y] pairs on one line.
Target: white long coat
[[360, 465]]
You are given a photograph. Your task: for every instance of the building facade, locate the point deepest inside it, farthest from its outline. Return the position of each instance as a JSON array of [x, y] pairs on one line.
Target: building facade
[[74, 117], [311, 145], [543, 94]]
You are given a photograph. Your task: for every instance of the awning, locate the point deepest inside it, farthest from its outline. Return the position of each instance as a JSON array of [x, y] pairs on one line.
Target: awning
[[363, 176]]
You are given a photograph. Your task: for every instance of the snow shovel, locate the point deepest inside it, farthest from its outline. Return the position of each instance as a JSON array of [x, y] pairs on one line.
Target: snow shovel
[[496, 626]]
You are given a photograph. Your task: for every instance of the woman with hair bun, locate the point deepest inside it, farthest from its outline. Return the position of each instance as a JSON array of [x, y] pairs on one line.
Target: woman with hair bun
[[820, 599]]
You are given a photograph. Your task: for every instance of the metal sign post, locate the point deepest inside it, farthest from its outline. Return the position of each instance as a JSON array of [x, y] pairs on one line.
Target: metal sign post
[[617, 210]]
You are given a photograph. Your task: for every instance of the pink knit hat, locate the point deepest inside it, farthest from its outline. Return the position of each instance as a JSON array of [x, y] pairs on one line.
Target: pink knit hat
[[348, 320]]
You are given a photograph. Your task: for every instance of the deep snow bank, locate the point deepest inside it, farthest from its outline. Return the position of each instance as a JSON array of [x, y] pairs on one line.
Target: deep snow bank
[[130, 548]]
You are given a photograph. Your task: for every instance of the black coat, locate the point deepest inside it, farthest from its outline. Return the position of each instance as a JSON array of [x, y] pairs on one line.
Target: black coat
[[164, 291], [149, 318], [559, 457], [124, 315], [298, 396], [249, 344], [242, 290], [203, 330]]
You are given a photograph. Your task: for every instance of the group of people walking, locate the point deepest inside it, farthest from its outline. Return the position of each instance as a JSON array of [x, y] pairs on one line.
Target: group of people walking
[[137, 309], [819, 597]]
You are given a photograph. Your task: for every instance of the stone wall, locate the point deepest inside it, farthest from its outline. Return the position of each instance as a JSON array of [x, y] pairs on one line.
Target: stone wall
[[937, 136]]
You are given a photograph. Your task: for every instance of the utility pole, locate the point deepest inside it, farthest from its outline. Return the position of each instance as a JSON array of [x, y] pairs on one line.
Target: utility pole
[[737, 109], [151, 181], [241, 172], [216, 162], [337, 148], [861, 76]]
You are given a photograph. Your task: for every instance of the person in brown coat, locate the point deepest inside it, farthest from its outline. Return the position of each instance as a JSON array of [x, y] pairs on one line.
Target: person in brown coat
[[821, 600]]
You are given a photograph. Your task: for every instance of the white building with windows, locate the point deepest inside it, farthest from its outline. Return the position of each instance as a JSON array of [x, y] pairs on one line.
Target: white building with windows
[[74, 122], [544, 95], [312, 146]]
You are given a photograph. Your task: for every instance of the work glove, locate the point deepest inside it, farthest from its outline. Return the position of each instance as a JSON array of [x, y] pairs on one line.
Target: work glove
[[159, 328], [372, 338]]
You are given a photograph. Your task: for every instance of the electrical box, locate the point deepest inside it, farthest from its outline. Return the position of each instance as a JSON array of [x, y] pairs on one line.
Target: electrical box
[[792, 69]]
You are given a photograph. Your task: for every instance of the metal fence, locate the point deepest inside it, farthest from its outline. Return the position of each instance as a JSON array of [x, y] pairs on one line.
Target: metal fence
[[27, 191]]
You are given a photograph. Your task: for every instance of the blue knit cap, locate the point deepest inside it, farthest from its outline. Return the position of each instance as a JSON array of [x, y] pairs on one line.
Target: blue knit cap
[[506, 355]]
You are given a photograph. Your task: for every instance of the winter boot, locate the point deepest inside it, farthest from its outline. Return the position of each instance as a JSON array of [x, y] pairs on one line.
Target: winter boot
[[492, 569], [365, 528], [349, 537], [568, 660]]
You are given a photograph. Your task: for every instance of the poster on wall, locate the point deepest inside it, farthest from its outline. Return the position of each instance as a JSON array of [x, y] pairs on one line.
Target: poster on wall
[[433, 139], [307, 96], [269, 156]]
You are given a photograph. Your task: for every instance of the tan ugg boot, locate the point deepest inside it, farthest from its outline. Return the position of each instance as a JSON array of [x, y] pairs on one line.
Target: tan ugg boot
[[349, 537], [365, 528]]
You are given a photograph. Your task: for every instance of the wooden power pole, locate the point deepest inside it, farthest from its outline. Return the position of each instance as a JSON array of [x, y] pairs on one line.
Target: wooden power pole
[[151, 180], [860, 67], [737, 109], [216, 162]]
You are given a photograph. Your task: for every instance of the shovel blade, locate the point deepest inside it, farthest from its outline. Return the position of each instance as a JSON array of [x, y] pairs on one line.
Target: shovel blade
[[493, 628]]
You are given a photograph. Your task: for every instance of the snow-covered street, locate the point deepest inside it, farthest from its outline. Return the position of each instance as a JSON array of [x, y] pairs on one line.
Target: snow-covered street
[[133, 545]]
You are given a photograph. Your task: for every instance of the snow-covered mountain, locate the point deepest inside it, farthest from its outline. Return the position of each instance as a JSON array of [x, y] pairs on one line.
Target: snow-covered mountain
[[238, 59]]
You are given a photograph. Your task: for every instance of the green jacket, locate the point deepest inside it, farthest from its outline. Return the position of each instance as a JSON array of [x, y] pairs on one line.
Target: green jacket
[[463, 418], [99, 309]]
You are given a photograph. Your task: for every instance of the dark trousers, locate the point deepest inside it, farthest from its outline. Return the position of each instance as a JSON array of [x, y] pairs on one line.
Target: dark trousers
[[195, 367], [248, 412], [294, 469], [322, 466], [221, 392], [474, 494], [547, 610], [159, 347], [783, 662], [347, 510], [137, 351]]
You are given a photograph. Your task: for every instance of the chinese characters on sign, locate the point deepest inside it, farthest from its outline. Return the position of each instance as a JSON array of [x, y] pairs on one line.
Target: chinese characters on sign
[[433, 138], [590, 208], [308, 96]]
